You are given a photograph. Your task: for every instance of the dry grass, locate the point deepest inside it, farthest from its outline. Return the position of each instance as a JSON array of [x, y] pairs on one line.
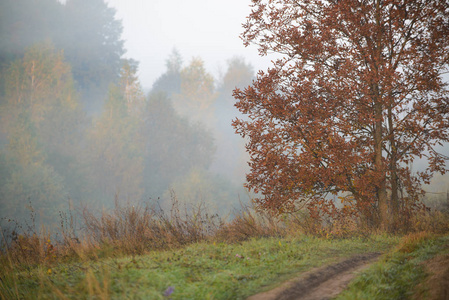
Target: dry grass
[[342, 224], [130, 230], [430, 220], [410, 241], [248, 223], [135, 230]]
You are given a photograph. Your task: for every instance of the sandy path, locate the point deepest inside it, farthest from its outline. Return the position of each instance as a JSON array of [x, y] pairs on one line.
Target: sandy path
[[321, 283]]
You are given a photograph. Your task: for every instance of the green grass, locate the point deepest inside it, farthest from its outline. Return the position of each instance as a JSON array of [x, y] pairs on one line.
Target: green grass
[[198, 271], [397, 274]]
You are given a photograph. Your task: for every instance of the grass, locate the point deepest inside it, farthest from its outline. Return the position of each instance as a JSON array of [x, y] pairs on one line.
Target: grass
[[398, 274], [199, 271], [145, 253]]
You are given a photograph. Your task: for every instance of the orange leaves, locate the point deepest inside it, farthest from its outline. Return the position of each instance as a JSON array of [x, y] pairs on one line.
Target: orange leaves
[[356, 97]]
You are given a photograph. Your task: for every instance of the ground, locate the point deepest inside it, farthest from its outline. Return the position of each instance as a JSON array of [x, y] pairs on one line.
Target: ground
[[320, 283], [436, 286]]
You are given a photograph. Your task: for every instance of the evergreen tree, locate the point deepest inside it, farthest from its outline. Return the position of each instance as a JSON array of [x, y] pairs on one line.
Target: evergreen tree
[[170, 81], [173, 146], [231, 158], [96, 54]]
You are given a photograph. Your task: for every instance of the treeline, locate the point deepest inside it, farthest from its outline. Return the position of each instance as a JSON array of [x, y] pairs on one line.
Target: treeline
[[76, 124], [86, 30]]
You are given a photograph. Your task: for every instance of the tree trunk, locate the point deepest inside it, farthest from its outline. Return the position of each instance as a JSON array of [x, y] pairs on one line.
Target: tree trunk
[[378, 142], [380, 171], [393, 172]]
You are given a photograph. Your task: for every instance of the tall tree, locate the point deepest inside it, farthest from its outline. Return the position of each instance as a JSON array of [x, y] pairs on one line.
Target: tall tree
[[170, 81], [231, 158], [93, 45], [129, 84], [116, 143], [197, 96], [86, 30], [39, 97], [357, 95], [41, 85], [239, 74], [173, 145], [24, 23]]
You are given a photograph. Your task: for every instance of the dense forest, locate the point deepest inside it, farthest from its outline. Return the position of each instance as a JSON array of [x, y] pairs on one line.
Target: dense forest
[[78, 129]]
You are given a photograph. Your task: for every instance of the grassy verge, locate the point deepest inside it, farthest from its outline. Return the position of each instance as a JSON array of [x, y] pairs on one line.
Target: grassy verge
[[145, 253], [198, 271], [399, 273]]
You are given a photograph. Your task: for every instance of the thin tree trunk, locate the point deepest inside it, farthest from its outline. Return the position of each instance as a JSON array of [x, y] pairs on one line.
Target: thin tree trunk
[[393, 171], [380, 171]]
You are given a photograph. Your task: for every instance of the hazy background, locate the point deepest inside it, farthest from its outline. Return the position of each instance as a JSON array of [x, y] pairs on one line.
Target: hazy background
[[209, 29], [127, 101], [123, 101]]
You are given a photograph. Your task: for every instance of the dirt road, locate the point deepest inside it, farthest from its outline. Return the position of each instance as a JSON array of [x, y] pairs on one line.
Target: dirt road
[[321, 283]]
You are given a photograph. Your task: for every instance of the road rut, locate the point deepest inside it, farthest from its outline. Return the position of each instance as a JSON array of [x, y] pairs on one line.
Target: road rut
[[321, 283]]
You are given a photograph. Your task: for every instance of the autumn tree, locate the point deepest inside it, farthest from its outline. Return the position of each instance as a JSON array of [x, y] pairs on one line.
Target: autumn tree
[[116, 145], [39, 97], [197, 94], [39, 91], [24, 23], [87, 30], [357, 96]]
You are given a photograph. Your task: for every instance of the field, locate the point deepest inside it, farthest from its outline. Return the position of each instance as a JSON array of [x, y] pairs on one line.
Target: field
[[203, 258]]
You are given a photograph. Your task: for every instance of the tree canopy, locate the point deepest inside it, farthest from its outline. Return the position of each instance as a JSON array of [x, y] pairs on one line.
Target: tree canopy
[[86, 29], [173, 145], [39, 98], [76, 126], [357, 96]]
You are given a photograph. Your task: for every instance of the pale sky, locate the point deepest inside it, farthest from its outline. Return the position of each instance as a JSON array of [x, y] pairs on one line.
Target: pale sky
[[208, 29]]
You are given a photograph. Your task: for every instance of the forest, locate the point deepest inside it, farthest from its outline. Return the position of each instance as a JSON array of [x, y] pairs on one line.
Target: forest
[[324, 176], [78, 129]]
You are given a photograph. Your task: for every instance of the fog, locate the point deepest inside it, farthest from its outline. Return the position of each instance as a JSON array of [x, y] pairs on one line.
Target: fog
[[124, 101], [209, 29], [127, 102]]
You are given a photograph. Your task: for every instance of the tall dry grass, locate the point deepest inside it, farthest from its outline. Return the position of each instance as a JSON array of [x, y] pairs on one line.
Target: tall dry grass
[[135, 230], [130, 230], [249, 223]]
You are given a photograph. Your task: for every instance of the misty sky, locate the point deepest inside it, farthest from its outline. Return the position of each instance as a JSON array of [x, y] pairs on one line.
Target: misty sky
[[209, 29]]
